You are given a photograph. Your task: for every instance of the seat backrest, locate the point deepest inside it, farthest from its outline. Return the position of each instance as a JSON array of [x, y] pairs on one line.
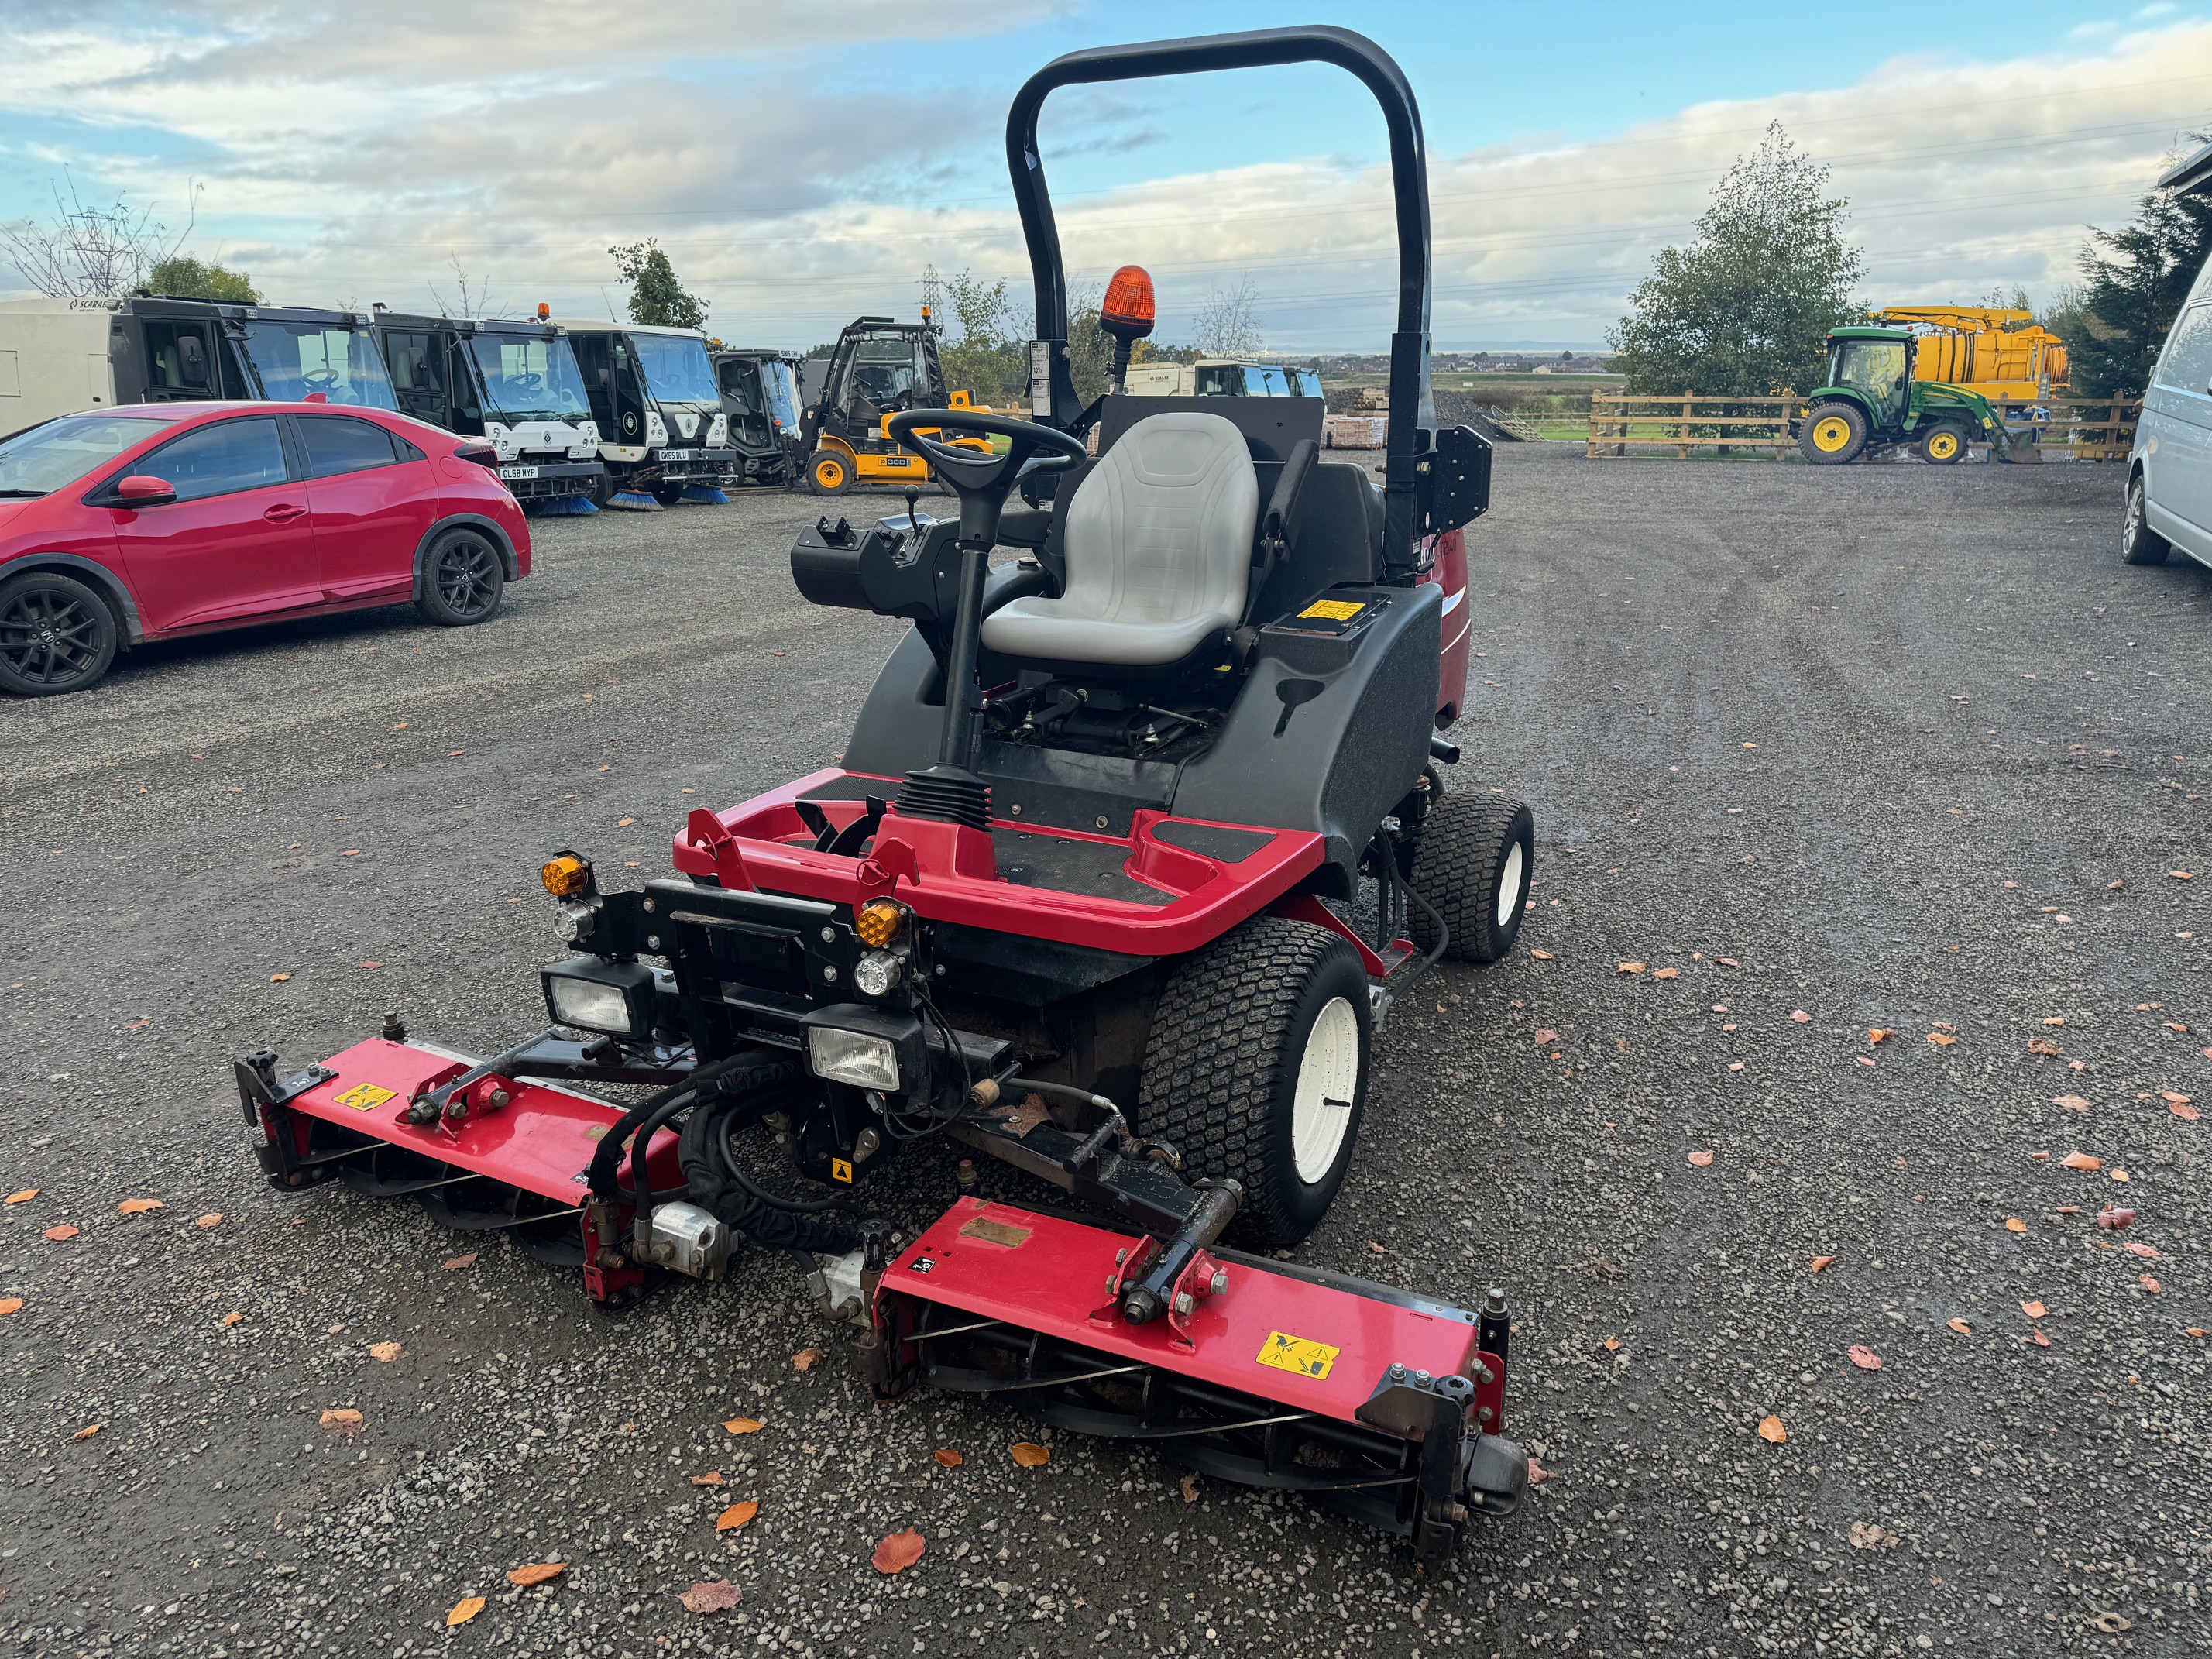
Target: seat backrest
[[1161, 528], [1336, 536]]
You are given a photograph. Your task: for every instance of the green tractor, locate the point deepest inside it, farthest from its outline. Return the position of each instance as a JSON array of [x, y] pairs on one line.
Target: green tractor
[[1872, 406]]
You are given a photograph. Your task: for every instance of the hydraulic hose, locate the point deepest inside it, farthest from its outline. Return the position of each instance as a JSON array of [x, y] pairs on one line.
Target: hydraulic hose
[[721, 1187]]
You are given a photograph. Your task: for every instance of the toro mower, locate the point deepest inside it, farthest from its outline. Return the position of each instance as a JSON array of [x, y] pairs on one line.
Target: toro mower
[[1137, 836]]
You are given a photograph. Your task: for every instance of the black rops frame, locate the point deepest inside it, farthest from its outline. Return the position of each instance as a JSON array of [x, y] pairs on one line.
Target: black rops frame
[[1409, 178]]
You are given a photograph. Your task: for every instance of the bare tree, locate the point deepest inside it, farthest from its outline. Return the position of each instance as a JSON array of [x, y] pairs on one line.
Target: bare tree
[[1228, 321], [89, 252], [473, 298]]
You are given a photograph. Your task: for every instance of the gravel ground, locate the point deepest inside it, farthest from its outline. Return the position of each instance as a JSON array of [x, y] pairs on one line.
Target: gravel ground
[[1828, 753]]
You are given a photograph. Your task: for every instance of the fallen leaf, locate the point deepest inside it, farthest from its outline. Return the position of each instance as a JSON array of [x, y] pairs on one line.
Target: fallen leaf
[[278, 978], [736, 1516], [2133, 1249], [1862, 1059], [2115, 1218], [386, 1351], [2181, 875], [1734, 1065], [85, 1433], [1541, 956], [1667, 973], [1865, 1535], [1770, 1429], [2039, 1339], [712, 1478], [712, 1595], [1941, 1039], [745, 1426], [1728, 962], [2033, 1310], [1880, 1034], [1822, 1262], [2014, 1224], [2054, 1019], [1612, 1344], [61, 1232], [1537, 1472], [455, 1263], [949, 1459], [342, 1422], [138, 1206], [2081, 1161], [11, 1305], [1030, 1456], [2175, 1025], [2071, 1102], [624, 824], [350, 852], [23, 1197], [2120, 1174], [1190, 1489], [212, 1218], [898, 1552], [1799, 1017], [2042, 1046], [1864, 1357], [1377, 1248], [230, 1319], [806, 1360], [1631, 967], [537, 1572], [2147, 1283], [464, 1610], [1960, 1326], [1544, 1039], [1700, 1160]]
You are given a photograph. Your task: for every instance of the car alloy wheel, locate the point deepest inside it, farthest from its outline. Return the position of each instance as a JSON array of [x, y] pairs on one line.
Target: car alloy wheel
[[468, 576], [49, 641]]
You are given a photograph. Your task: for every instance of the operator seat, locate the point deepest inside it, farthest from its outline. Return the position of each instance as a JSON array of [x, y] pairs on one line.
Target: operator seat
[[1158, 550]]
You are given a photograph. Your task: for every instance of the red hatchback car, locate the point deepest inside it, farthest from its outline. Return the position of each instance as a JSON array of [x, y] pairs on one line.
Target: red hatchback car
[[156, 519]]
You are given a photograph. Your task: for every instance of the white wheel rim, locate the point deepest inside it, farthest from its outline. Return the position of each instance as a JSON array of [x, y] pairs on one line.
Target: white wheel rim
[[1328, 1081], [1508, 885]]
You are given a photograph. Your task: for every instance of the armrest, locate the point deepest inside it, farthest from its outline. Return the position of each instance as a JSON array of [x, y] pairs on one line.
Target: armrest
[[1021, 526]]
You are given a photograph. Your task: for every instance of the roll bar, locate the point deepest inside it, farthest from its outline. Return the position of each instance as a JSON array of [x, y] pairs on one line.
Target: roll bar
[[1053, 398]]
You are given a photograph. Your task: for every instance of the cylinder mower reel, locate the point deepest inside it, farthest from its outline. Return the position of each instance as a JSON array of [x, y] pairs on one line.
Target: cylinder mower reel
[[1137, 838]]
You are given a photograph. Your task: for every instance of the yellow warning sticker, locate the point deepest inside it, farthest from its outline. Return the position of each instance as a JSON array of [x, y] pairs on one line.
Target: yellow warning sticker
[[365, 1096], [1298, 1353], [840, 1170], [1334, 610]]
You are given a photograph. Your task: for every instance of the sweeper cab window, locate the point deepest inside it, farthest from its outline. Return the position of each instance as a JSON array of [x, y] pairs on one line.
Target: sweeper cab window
[[527, 379], [675, 368], [294, 360]]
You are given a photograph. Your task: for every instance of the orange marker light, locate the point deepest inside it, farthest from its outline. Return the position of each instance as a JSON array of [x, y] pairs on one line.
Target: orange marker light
[[1128, 311], [545, 310], [566, 876], [878, 922]]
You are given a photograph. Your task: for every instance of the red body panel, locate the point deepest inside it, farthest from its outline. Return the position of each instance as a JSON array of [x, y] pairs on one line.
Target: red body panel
[[1449, 573], [1054, 1281], [540, 1141], [771, 850]]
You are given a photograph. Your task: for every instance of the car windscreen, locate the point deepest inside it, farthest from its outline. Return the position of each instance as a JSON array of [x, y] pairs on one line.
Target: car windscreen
[[677, 369], [42, 458], [781, 387], [295, 360], [529, 379], [1306, 383]]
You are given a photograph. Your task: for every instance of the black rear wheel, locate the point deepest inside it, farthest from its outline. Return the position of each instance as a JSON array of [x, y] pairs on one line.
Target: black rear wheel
[[1477, 858], [2139, 543], [55, 636], [1256, 1069], [463, 579]]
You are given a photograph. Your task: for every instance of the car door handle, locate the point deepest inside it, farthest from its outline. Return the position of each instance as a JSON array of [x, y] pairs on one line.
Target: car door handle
[[284, 512]]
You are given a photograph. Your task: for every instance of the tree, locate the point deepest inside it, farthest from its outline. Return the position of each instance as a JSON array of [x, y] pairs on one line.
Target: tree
[[989, 360], [2134, 282], [1228, 321], [656, 298], [85, 252], [184, 277], [1745, 308], [473, 298]]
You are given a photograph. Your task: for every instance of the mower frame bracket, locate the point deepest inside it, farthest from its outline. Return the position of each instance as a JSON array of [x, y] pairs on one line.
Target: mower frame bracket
[[259, 1085]]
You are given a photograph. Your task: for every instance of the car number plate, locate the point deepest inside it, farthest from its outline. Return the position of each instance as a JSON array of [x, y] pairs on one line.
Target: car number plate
[[518, 472], [681, 454]]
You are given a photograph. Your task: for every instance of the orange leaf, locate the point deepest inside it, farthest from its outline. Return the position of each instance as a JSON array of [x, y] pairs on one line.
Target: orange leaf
[[2133, 1249], [2120, 1174], [2147, 1283], [2183, 1110], [1541, 956], [1700, 1160], [2055, 1019], [1864, 1357], [712, 1478], [1538, 1472], [1190, 1489], [2181, 875], [2071, 1102], [1941, 1039], [2081, 1161], [212, 1218], [537, 1573], [278, 978], [1799, 1017], [1631, 967], [806, 1360], [1880, 1034], [898, 1552], [455, 1263], [2039, 1339], [624, 824], [232, 1318], [138, 1206], [61, 1232], [1030, 1456], [711, 1596], [464, 1610], [23, 1197], [1667, 973], [2014, 1224], [386, 1351], [948, 1458], [2042, 1046], [736, 1516], [2033, 1310], [85, 1433], [1960, 1326], [1612, 1343], [1820, 1262], [1544, 1035], [1770, 1429], [745, 1426], [343, 1421], [11, 1305]]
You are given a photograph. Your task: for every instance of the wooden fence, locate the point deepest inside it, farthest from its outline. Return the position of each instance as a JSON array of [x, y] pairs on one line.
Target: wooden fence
[[1622, 425]]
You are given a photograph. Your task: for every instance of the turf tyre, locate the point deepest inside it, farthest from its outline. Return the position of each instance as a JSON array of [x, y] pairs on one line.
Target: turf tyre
[[1237, 1025], [1465, 867], [1816, 419], [1943, 445]]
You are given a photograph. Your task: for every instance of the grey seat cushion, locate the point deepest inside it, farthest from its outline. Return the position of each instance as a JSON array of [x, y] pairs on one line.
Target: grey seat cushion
[[1158, 546]]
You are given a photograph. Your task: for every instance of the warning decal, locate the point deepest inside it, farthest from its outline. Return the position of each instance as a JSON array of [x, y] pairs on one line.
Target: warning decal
[[1298, 1353], [1332, 610], [365, 1096], [840, 1170]]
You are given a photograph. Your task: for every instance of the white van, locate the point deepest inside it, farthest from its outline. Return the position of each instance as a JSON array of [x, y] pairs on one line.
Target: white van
[[1221, 377], [2170, 469]]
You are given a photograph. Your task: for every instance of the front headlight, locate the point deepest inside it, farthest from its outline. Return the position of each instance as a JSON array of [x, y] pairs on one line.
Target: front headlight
[[589, 1007], [859, 1058], [593, 994]]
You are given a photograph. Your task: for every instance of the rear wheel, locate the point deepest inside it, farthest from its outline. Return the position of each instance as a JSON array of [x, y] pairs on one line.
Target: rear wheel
[[1943, 445], [2139, 543], [55, 636], [1256, 1069], [463, 578], [1833, 432], [828, 473], [1477, 857]]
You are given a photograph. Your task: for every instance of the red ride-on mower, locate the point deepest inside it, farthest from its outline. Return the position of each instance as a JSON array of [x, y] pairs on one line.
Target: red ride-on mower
[[1136, 838]]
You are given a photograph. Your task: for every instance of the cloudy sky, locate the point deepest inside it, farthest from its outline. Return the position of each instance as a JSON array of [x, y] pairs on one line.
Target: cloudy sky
[[804, 163]]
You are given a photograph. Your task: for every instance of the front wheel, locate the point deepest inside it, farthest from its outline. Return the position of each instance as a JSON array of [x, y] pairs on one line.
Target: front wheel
[[55, 636], [1256, 1069], [1476, 861], [1943, 445], [462, 579], [1833, 432], [2139, 543], [828, 473]]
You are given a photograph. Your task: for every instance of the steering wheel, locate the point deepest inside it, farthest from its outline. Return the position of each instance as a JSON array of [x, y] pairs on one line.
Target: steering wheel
[[321, 379]]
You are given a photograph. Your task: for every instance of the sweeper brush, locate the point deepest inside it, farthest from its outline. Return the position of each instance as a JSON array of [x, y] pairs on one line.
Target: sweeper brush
[[1136, 839]]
